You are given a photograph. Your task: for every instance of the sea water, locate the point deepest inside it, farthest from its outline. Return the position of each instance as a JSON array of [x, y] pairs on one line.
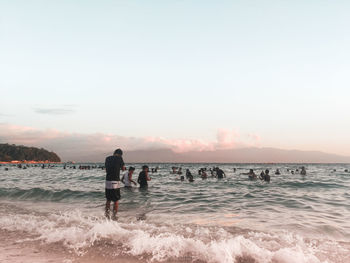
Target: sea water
[[294, 218]]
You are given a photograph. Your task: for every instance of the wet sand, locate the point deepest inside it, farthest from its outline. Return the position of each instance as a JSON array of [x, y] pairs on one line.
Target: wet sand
[[17, 248], [21, 248]]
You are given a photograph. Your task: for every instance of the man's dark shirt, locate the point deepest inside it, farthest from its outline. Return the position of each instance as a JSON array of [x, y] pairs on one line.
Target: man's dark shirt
[[220, 173], [142, 180], [113, 165]]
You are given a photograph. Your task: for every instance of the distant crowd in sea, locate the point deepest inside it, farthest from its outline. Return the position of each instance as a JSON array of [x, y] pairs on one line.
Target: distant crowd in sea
[[204, 173], [117, 173], [216, 172]]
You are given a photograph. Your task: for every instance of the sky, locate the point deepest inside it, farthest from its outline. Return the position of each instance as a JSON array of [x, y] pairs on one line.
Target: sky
[[186, 75]]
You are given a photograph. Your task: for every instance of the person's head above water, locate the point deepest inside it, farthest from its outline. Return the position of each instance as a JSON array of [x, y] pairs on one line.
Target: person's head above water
[[131, 169], [118, 152], [144, 168], [251, 171]]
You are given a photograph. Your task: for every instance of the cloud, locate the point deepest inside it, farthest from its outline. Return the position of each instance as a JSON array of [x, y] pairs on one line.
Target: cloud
[[76, 146], [226, 139], [5, 115], [65, 109]]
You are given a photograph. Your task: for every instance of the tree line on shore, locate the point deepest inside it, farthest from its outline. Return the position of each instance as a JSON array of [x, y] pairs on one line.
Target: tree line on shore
[[12, 152]]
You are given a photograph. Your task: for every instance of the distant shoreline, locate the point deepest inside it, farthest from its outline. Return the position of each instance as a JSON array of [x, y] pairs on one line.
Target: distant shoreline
[[30, 162], [138, 162]]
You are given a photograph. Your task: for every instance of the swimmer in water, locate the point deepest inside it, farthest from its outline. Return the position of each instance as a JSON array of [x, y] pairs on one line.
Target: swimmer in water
[[262, 176], [220, 173], [174, 169], [251, 174], [267, 176], [144, 177], [303, 171], [127, 178], [189, 175], [278, 172]]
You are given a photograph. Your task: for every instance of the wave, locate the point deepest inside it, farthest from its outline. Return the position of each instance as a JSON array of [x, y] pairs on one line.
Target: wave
[[310, 184], [161, 242], [38, 194]]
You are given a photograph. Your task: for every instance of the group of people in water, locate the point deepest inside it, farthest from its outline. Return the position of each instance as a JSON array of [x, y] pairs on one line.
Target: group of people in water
[[116, 173], [114, 165], [214, 172], [218, 173], [265, 175]]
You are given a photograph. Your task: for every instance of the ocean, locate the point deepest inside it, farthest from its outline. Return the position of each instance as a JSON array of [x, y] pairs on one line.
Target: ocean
[[57, 215]]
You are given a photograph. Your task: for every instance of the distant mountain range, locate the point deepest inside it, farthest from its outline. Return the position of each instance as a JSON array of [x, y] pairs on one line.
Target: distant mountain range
[[243, 155]]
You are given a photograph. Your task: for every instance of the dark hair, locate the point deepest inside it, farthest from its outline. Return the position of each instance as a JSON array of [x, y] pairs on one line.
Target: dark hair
[[144, 167], [118, 151], [131, 168]]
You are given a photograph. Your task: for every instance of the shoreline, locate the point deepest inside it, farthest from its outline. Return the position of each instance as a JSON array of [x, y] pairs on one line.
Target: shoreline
[[27, 250], [221, 163], [30, 162]]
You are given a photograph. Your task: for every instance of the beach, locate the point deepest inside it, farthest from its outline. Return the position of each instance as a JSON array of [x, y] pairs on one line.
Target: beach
[[56, 215]]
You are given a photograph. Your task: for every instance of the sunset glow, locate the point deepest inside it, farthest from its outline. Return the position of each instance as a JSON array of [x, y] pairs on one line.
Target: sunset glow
[[185, 75]]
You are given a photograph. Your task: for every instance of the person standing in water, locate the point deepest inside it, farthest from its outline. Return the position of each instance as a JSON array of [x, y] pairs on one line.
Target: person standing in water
[[189, 175], [144, 177], [262, 176], [113, 165], [220, 173], [267, 176], [127, 178], [251, 174], [204, 175]]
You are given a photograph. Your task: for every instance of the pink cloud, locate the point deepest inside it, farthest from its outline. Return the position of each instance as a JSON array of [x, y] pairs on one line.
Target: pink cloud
[[71, 145], [226, 139]]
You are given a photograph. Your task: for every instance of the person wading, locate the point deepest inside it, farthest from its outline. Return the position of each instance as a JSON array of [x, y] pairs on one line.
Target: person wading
[[113, 166]]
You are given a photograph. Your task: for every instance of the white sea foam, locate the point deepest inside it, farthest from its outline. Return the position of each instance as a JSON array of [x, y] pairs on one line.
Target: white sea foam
[[162, 242]]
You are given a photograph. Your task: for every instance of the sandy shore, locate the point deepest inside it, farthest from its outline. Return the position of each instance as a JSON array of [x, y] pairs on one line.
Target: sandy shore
[[20, 248], [16, 248]]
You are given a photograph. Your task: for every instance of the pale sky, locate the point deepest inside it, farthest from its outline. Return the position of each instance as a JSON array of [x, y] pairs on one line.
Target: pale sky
[[267, 73]]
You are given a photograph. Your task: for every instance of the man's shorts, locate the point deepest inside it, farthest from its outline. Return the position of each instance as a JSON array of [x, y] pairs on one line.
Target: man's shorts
[[112, 190], [112, 194]]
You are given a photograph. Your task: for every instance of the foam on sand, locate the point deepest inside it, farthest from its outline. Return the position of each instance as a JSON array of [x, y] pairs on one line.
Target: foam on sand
[[163, 242]]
